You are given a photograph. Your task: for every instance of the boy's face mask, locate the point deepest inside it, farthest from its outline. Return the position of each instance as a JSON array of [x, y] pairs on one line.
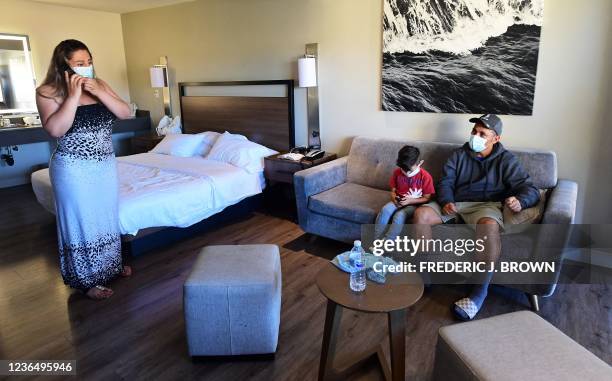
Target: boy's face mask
[[84, 71], [414, 170]]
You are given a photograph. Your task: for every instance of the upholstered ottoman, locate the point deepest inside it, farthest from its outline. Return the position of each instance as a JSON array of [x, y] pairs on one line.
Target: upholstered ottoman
[[514, 346], [232, 301]]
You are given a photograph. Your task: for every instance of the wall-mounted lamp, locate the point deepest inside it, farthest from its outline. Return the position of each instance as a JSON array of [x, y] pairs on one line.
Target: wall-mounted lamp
[[159, 79], [159, 76], [308, 78], [307, 71]]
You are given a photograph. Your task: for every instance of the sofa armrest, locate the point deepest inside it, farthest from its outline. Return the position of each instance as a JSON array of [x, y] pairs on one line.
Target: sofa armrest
[[315, 180], [552, 236], [561, 206], [318, 179]]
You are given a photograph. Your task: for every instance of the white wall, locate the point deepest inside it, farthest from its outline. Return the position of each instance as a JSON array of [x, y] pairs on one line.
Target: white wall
[[212, 40], [47, 25]]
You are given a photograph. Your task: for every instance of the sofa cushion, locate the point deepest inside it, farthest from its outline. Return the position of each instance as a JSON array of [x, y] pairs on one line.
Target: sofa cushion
[[351, 202], [372, 160]]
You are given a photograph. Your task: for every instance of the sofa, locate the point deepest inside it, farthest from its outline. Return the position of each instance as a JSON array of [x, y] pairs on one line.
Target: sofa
[[335, 199]]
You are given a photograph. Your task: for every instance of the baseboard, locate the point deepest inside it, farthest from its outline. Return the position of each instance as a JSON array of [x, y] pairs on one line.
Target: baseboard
[[14, 181]]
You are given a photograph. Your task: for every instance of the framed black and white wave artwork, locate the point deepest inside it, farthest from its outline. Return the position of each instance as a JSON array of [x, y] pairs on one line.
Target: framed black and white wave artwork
[[460, 56]]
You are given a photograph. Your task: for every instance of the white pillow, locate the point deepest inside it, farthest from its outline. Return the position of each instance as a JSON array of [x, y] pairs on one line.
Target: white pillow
[[182, 145], [234, 136], [240, 152], [210, 137]]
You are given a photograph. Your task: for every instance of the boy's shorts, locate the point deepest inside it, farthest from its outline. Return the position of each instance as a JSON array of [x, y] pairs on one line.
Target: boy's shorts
[[471, 211]]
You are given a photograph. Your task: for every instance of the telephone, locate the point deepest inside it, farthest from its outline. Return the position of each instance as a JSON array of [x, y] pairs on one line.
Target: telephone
[[314, 154], [310, 153]]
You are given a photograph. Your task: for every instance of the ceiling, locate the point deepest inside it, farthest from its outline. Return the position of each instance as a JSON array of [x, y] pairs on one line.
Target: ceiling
[[115, 6]]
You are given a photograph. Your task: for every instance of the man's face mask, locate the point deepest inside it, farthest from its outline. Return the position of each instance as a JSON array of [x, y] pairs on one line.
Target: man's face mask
[[478, 144]]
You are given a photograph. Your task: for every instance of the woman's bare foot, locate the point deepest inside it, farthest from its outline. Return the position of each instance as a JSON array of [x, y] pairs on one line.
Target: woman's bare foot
[[99, 293], [127, 271]]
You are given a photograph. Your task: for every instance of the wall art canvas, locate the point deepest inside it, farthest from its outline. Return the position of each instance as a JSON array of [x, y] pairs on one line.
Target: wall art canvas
[[460, 56]]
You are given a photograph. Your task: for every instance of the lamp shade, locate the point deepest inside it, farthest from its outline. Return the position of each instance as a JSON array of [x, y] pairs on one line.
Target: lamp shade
[[307, 71], [158, 77]]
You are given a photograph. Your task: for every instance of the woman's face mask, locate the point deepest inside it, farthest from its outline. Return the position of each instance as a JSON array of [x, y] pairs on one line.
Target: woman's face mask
[[81, 63], [84, 71]]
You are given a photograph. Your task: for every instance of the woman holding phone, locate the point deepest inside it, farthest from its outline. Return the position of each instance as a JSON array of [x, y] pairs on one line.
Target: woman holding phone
[[79, 110]]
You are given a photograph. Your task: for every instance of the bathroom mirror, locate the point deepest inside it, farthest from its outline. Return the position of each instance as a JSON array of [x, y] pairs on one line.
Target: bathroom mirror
[[17, 79]]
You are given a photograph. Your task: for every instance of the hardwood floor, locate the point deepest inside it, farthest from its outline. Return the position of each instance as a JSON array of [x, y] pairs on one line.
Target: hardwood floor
[[139, 332]]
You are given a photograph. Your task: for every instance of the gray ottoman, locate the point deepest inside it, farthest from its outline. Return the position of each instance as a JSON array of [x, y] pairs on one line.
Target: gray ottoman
[[514, 346], [232, 301]]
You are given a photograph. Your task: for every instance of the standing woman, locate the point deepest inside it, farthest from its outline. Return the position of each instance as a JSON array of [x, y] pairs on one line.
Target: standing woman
[[79, 110]]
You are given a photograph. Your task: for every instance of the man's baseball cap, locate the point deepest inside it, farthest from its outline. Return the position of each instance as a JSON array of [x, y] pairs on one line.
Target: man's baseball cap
[[490, 121]]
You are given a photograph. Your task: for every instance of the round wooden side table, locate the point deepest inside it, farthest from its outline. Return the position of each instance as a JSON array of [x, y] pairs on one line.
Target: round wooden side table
[[393, 298]]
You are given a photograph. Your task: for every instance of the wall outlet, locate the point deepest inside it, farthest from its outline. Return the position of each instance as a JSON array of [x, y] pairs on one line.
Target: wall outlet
[[156, 93]]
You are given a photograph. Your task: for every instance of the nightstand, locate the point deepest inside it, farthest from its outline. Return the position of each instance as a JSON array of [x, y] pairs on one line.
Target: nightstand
[[144, 143], [282, 170], [279, 196]]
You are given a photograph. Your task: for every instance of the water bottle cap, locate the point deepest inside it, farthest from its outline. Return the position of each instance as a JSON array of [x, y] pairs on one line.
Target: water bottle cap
[[358, 264], [357, 243]]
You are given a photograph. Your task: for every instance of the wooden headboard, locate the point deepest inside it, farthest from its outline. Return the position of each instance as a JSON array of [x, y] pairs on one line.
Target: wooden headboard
[[267, 120]]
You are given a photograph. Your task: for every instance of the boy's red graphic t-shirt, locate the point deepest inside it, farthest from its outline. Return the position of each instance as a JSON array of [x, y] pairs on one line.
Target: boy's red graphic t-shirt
[[403, 184]]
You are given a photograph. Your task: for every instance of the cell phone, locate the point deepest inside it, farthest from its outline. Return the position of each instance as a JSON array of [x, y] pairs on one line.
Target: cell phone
[[67, 68]]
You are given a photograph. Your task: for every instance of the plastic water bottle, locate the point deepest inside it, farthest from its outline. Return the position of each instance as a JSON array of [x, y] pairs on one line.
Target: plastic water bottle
[[356, 253], [357, 281]]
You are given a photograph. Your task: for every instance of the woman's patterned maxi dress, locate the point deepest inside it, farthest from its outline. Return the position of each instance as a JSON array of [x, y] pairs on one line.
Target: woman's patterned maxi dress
[[83, 173]]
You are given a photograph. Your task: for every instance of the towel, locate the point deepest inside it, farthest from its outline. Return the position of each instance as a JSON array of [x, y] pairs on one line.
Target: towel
[[342, 262]]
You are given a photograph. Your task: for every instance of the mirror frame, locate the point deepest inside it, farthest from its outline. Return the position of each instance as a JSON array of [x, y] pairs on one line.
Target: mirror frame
[[28, 58]]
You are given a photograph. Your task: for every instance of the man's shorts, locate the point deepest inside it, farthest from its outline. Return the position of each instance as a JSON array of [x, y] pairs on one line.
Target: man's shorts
[[471, 212]]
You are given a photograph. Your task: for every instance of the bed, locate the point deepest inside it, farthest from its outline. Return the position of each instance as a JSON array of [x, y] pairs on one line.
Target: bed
[[163, 198], [161, 190]]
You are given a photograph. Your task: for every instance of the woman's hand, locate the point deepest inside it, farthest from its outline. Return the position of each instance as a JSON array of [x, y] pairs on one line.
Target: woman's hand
[[92, 86], [75, 85]]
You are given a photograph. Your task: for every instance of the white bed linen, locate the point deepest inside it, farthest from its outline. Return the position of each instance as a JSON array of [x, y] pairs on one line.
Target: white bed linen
[[160, 190]]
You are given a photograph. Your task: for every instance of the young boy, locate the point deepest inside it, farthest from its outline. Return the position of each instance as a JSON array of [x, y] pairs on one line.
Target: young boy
[[411, 186]]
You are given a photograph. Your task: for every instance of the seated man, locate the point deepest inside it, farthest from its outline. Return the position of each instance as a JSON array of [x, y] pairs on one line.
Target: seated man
[[476, 179]]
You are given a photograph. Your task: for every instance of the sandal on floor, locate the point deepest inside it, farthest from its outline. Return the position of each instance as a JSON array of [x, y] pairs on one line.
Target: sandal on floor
[[465, 309], [99, 293]]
